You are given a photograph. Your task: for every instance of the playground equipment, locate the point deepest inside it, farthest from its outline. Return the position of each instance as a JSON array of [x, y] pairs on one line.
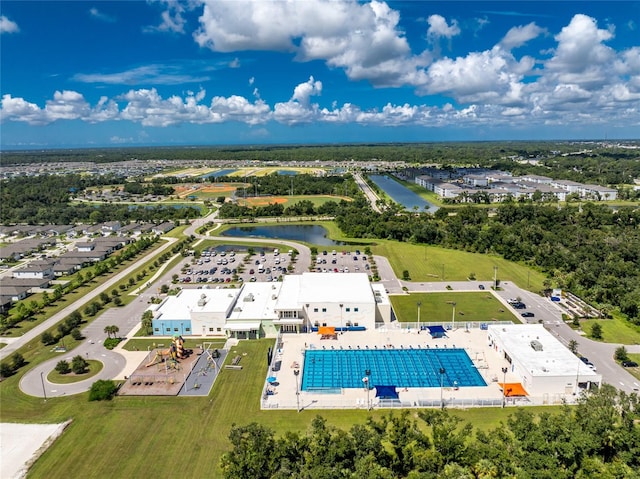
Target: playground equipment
[[176, 351], [159, 357]]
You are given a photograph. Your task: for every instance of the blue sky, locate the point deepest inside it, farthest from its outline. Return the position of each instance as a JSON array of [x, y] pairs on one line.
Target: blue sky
[[198, 72]]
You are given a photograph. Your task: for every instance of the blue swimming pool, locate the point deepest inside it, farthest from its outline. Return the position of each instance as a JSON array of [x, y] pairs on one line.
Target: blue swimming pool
[[404, 368]]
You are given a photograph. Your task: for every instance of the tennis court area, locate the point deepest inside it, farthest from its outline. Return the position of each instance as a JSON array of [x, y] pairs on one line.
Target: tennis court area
[[404, 368]]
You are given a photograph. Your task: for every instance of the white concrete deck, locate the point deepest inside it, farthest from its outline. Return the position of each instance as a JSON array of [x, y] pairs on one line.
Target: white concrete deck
[[488, 362]]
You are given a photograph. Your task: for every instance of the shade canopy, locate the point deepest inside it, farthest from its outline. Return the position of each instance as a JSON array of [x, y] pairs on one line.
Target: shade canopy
[[437, 331], [513, 389], [386, 392]]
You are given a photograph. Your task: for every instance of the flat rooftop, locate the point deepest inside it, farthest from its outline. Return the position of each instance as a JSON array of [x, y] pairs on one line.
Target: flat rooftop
[[551, 359]]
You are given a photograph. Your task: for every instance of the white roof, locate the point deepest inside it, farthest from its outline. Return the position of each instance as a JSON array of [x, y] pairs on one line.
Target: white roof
[[197, 301], [242, 325], [554, 359], [298, 290], [256, 302]]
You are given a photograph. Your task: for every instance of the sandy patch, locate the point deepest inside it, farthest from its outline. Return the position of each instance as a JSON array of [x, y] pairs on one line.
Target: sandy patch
[[22, 444], [263, 201]]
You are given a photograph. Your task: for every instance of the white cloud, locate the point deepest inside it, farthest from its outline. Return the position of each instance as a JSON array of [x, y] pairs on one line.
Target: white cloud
[[8, 26], [438, 28], [173, 20], [518, 36], [97, 14], [363, 39], [304, 91], [148, 74]]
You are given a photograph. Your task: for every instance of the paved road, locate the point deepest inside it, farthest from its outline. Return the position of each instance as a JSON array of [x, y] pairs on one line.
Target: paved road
[[90, 296], [128, 318], [368, 192]]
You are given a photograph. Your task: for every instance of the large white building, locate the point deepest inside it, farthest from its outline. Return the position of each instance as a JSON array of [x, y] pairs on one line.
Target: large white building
[[299, 303], [543, 364]]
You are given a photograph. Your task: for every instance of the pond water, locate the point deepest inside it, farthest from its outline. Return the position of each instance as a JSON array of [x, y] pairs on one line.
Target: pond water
[[287, 172], [401, 195], [313, 234], [219, 173]]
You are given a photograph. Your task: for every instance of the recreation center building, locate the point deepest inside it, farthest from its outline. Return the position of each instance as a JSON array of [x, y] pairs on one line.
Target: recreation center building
[[300, 303]]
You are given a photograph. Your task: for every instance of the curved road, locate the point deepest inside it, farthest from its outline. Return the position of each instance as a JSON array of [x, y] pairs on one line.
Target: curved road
[[128, 318]]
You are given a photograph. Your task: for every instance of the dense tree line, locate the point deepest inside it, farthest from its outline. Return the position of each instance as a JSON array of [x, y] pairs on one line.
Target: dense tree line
[[597, 438], [304, 184], [47, 199], [299, 208], [558, 159], [590, 249]]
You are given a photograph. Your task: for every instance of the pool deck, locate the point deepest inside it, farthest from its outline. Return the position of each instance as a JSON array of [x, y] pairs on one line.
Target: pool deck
[[291, 357]]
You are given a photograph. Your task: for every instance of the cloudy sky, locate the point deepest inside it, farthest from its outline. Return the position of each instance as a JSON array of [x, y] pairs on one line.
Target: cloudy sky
[[193, 72]]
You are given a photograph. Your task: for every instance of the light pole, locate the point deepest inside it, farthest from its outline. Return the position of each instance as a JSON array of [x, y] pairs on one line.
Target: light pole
[[341, 328], [366, 380], [453, 316], [419, 304], [504, 386], [44, 391], [296, 373], [442, 373], [443, 272], [495, 278]]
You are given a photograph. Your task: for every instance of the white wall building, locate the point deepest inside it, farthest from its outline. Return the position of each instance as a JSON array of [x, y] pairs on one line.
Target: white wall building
[[546, 368], [263, 309]]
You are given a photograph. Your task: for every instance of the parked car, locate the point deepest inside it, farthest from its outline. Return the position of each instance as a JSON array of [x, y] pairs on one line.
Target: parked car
[[629, 364], [528, 314], [481, 286]]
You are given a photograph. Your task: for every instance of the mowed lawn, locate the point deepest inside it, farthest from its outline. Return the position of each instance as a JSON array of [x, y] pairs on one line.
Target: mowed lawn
[[438, 307], [163, 436], [428, 263]]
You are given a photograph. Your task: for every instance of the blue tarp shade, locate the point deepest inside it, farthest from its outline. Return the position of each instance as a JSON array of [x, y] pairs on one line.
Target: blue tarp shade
[[437, 331], [386, 392]]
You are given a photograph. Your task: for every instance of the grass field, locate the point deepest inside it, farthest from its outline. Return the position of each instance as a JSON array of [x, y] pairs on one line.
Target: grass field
[[437, 307], [289, 200], [616, 330], [94, 367], [431, 263], [162, 436]]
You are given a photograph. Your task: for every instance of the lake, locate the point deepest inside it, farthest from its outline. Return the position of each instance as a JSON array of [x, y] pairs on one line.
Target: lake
[[313, 234], [218, 174], [401, 195]]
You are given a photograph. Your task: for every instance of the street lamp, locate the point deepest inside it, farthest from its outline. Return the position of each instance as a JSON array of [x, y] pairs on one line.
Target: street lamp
[[44, 391], [296, 373], [367, 373], [504, 386], [341, 328], [419, 304], [495, 278], [453, 316], [442, 373]]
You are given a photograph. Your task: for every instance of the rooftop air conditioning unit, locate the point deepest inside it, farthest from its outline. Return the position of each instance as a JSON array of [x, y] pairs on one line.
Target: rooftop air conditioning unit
[[536, 345]]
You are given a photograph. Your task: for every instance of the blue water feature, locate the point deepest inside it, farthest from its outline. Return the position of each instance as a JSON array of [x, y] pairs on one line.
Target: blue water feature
[[313, 234], [331, 369], [402, 195], [287, 172], [218, 174]]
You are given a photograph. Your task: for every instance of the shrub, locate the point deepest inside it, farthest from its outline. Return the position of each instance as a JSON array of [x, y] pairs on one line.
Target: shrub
[[78, 365], [621, 354], [47, 338], [103, 390], [76, 334], [63, 367], [111, 343], [6, 370], [17, 361]]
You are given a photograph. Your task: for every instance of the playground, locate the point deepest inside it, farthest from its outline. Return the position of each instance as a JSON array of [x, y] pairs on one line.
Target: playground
[[175, 371]]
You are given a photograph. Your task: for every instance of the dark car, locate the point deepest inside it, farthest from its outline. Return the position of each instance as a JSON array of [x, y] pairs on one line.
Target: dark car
[[481, 286], [519, 305], [528, 314], [629, 364]]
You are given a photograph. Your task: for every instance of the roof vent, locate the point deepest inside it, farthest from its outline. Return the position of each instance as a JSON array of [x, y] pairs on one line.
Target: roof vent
[[203, 300], [536, 345], [249, 298]]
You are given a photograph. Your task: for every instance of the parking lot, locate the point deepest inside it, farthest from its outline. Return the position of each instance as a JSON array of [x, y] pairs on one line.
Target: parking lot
[[341, 262], [223, 266]]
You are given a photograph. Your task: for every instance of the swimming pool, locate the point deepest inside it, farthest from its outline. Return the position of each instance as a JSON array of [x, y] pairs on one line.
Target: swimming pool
[[404, 368]]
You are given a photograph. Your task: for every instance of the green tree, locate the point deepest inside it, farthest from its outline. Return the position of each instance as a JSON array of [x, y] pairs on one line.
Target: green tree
[[253, 454], [63, 367], [596, 331], [6, 370], [117, 301], [103, 390], [76, 334], [17, 361], [147, 321], [621, 354], [47, 338], [573, 346], [79, 365]]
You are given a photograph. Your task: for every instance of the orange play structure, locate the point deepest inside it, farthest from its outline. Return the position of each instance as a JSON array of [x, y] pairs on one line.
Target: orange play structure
[[176, 351]]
